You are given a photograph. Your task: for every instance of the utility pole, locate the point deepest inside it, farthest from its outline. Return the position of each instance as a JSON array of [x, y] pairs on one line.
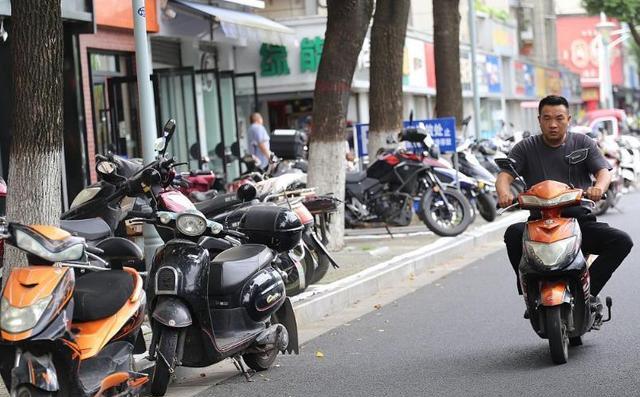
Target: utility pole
[[474, 70], [147, 116]]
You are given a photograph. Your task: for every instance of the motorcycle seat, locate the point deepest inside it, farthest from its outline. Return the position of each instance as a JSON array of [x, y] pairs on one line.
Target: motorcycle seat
[[91, 229], [231, 269], [101, 294], [199, 197], [218, 204], [355, 177]]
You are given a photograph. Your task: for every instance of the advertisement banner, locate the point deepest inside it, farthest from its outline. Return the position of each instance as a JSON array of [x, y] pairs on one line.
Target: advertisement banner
[[579, 47]]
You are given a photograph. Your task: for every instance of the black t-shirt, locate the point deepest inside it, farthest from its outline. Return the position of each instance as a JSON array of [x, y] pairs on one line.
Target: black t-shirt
[[537, 162]]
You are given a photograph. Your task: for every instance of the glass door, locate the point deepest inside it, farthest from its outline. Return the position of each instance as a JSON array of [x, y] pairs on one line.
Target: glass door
[[246, 104], [176, 99], [229, 125]]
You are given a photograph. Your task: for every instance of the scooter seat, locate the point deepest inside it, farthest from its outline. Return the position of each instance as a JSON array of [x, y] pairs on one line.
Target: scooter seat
[[218, 204], [91, 229], [355, 177], [199, 197], [231, 269], [101, 294]]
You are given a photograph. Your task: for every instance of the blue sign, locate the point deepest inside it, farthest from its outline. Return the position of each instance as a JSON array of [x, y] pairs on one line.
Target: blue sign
[[362, 134], [442, 130]]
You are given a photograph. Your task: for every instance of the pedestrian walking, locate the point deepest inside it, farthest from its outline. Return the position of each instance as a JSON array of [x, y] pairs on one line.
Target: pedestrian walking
[[258, 141]]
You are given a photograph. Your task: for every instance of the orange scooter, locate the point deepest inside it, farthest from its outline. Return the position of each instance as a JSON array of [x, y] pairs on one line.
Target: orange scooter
[[67, 336], [553, 272]]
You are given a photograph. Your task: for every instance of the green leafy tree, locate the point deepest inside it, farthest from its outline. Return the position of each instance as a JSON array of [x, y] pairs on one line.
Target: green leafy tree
[[627, 11]]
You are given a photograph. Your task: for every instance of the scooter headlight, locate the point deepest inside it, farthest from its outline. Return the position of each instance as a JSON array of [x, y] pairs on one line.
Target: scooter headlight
[[191, 224], [20, 319], [552, 254]]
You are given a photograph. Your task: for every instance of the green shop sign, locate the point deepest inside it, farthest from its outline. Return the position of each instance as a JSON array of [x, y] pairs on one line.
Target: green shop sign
[[274, 62], [310, 53]]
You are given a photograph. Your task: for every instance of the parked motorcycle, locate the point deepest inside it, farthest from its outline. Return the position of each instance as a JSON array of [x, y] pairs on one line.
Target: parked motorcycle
[[211, 298], [387, 190], [68, 336], [553, 272]]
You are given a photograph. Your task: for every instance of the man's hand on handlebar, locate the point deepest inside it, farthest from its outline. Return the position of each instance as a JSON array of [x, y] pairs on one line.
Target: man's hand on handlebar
[[505, 199], [593, 193]]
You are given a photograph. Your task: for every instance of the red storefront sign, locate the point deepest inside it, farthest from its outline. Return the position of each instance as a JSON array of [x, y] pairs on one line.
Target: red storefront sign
[[578, 48]]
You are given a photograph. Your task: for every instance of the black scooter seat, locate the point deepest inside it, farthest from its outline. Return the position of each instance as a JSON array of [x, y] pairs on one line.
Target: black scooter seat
[[101, 294], [230, 269], [199, 197], [355, 177], [91, 229], [218, 204]]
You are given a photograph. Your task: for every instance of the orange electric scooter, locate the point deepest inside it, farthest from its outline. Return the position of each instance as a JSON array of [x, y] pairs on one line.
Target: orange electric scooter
[[553, 272], [67, 336]]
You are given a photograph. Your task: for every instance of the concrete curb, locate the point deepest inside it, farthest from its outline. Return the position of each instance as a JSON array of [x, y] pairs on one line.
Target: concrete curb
[[321, 301]]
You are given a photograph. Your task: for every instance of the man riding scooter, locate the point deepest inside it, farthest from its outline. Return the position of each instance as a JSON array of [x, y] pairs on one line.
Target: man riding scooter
[[543, 157]]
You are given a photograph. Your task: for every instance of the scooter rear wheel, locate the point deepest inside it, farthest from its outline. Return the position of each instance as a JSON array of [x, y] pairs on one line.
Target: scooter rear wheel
[[165, 361], [260, 361], [557, 335]]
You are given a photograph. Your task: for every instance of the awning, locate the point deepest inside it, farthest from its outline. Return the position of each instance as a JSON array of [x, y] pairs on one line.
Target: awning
[[237, 24]]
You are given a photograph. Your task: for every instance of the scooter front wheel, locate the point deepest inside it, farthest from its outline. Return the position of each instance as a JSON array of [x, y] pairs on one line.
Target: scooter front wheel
[[557, 335], [31, 391], [165, 360]]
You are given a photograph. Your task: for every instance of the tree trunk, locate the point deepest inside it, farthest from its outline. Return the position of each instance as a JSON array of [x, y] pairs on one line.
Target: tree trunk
[[35, 154], [347, 24], [387, 49], [446, 43], [634, 32]]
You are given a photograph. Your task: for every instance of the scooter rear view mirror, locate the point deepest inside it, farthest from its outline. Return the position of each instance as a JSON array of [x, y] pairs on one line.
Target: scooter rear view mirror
[[505, 163]]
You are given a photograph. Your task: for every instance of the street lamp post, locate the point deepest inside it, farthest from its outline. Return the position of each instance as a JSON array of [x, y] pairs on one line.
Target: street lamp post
[[605, 27]]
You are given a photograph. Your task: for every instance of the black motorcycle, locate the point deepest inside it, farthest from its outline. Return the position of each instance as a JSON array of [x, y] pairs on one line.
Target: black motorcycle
[[211, 298], [387, 190]]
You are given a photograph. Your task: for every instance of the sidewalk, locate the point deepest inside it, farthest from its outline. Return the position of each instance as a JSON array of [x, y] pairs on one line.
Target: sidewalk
[[371, 263]]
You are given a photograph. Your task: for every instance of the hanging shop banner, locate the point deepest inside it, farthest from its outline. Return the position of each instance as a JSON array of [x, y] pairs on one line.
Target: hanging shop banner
[[524, 79], [431, 65], [465, 71], [481, 70], [492, 74], [416, 64], [541, 86], [553, 82]]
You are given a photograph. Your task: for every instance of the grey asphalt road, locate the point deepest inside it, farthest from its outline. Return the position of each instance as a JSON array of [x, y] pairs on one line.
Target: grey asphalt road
[[465, 336]]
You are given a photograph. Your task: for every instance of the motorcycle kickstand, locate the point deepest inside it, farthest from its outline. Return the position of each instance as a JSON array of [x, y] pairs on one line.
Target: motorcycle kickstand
[[388, 230], [237, 361]]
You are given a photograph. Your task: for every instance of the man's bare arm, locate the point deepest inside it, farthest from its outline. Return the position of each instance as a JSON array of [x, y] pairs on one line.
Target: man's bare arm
[[503, 187], [603, 179]]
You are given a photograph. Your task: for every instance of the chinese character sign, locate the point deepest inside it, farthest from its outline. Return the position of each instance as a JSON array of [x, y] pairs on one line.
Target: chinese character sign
[[442, 130], [310, 53], [273, 60]]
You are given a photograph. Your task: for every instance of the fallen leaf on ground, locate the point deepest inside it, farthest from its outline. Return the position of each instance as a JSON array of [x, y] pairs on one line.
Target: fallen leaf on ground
[[319, 354], [377, 306]]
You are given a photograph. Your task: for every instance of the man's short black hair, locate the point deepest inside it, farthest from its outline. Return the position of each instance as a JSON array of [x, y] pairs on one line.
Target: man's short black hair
[[552, 100]]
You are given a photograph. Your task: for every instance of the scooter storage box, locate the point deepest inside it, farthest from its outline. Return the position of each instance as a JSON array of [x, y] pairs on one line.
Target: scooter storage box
[[276, 227], [288, 144]]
